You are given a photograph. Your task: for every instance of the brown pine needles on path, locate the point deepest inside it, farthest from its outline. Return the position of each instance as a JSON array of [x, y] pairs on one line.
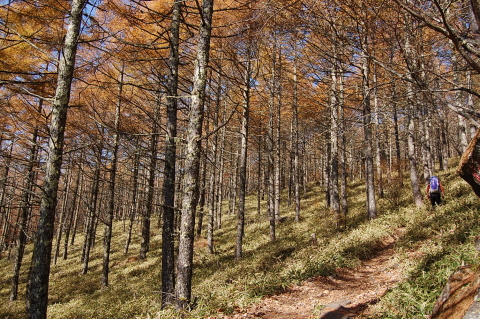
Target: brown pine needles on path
[[347, 294]]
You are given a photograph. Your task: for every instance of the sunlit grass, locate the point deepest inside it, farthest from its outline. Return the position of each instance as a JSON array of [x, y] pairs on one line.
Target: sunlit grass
[[434, 245], [431, 246]]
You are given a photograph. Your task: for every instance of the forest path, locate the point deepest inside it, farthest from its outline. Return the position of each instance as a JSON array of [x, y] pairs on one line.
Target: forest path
[[345, 295]]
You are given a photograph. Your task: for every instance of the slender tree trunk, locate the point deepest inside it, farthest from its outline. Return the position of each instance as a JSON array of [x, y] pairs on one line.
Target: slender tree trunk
[[277, 143], [305, 166], [428, 167], [168, 190], [233, 182], [376, 135], [203, 195], [470, 103], [367, 127], [183, 288], [414, 180], [220, 175], [271, 185], [63, 215], [397, 142], [462, 129], [213, 178], [179, 186], [458, 102], [271, 152], [75, 213], [37, 290], [411, 59], [211, 202], [107, 239], [290, 164], [243, 161], [444, 144], [296, 152], [134, 205], [388, 141], [145, 243], [72, 214], [92, 214], [343, 148], [25, 207], [3, 210], [334, 198], [7, 233], [259, 177]]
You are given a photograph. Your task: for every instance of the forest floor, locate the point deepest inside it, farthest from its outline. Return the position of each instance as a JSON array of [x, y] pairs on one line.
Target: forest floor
[[348, 294]]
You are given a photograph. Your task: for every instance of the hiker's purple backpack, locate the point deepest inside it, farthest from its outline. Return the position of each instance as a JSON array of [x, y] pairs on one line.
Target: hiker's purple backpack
[[434, 185]]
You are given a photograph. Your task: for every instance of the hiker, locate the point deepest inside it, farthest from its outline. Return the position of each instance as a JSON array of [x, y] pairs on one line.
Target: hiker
[[435, 191]]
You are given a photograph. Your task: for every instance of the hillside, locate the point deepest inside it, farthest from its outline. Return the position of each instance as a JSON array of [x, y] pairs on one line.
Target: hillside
[[421, 246]]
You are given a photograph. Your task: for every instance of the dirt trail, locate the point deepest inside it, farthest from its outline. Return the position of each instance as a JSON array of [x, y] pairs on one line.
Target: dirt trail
[[345, 295]]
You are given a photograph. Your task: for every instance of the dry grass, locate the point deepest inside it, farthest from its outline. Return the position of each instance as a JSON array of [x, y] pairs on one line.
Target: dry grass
[[441, 240]]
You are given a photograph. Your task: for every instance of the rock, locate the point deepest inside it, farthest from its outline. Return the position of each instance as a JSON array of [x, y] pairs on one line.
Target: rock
[[337, 311], [474, 311], [458, 295]]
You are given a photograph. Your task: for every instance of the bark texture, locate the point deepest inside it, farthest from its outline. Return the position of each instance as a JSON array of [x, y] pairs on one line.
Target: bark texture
[[183, 288], [168, 191], [37, 290], [243, 163]]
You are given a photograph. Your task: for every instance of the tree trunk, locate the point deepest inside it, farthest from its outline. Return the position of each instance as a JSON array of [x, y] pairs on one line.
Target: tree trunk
[[462, 123], [72, 214], [25, 208], [211, 201], [444, 144], [168, 190], [398, 152], [134, 205], [145, 243], [37, 290], [212, 189], [220, 175], [3, 210], [202, 196], [63, 215], [77, 209], [334, 199], [271, 185], [376, 136], [417, 195], [277, 134], [233, 182], [470, 104], [411, 59], [428, 165], [107, 239], [295, 142], [259, 176], [343, 149], [271, 152], [91, 214], [242, 169], [183, 287], [367, 128]]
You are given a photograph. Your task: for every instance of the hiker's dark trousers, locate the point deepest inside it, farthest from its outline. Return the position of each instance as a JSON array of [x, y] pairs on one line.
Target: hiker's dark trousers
[[435, 199]]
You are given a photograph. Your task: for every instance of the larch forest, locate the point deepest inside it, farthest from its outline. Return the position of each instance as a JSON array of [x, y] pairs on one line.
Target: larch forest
[[129, 120]]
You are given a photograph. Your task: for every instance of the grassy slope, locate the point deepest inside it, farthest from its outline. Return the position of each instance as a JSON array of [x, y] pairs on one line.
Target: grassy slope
[[441, 240]]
